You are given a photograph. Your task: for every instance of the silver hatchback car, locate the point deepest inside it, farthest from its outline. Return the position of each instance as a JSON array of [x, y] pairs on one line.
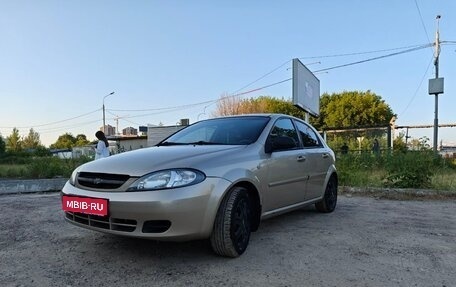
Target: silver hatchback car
[[215, 179]]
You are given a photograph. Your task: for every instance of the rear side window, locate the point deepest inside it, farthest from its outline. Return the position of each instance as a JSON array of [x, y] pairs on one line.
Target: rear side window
[[308, 136]]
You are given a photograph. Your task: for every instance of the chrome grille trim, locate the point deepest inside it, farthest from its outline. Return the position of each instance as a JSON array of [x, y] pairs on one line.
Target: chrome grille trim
[[117, 224], [101, 180]]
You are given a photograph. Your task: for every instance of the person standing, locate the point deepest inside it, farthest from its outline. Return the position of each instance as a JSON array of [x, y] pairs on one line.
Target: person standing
[[344, 148], [102, 149], [376, 146]]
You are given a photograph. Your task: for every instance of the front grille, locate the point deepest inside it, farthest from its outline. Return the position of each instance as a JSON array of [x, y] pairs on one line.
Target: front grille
[[118, 224], [101, 180]]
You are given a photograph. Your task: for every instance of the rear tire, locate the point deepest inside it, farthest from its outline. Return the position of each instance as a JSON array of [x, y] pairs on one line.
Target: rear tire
[[329, 201], [232, 226]]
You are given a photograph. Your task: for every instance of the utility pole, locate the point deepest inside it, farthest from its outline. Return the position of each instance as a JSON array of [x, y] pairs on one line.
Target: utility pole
[[104, 119], [436, 86], [436, 63]]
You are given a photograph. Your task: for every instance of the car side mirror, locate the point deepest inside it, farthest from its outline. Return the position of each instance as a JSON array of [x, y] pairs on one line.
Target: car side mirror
[[279, 143]]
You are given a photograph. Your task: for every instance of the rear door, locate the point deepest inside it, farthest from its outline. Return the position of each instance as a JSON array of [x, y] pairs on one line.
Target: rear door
[[318, 160]]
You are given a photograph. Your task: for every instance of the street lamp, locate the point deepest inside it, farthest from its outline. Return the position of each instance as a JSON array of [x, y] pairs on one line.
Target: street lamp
[[104, 119]]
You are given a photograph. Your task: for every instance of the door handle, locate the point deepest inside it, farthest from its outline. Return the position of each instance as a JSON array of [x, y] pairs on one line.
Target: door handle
[[301, 158]]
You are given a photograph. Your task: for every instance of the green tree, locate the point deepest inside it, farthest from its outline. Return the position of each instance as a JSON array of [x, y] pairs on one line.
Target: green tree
[[338, 110], [420, 144], [2, 145], [399, 143], [81, 140], [13, 142], [65, 141], [352, 109], [265, 104], [32, 140]]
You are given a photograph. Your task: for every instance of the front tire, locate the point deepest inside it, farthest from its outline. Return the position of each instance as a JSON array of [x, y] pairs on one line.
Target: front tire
[[232, 226], [329, 201]]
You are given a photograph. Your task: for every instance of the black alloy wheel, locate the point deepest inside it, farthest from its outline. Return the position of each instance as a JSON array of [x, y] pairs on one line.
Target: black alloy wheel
[[232, 227], [329, 201]]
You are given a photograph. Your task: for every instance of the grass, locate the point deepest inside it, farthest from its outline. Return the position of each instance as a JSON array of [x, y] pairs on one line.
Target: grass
[[13, 170], [419, 170], [41, 167], [444, 180]]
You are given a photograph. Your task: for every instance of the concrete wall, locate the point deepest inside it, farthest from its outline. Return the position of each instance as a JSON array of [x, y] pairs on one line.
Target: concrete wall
[[11, 186]]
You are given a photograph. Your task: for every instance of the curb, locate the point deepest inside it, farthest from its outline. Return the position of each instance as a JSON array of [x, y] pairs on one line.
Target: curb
[[397, 193], [15, 186]]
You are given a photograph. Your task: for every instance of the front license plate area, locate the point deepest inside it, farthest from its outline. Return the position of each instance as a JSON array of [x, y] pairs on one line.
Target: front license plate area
[[86, 205]]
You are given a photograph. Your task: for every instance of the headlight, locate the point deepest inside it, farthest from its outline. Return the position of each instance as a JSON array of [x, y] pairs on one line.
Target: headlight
[[73, 176], [165, 179]]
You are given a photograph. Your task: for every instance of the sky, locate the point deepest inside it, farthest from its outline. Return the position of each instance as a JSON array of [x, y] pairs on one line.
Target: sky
[[169, 60]]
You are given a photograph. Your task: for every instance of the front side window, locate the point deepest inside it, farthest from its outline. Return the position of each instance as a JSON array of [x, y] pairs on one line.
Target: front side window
[[285, 134]]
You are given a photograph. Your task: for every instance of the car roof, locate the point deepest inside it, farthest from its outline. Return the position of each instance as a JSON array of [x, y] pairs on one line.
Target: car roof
[[272, 115]]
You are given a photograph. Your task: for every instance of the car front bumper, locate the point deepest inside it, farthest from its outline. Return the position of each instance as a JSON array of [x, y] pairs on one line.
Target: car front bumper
[[174, 214]]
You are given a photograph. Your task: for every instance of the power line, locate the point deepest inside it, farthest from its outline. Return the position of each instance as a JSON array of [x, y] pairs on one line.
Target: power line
[[53, 123], [359, 53], [123, 118], [208, 103], [336, 67], [161, 109], [419, 86], [324, 56], [260, 88], [422, 22], [375, 58], [75, 125], [262, 77], [415, 48]]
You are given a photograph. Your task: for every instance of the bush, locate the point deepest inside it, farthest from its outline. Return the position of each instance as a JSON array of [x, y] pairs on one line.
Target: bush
[[411, 169], [49, 167], [41, 167], [359, 169], [13, 171]]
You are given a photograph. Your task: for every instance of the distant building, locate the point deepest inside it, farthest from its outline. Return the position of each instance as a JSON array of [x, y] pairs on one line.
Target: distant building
[[448, 151], [88, 151], [109, 130], [130, 131], [156, 134], [143, 130], [128, 143], [62, 153]]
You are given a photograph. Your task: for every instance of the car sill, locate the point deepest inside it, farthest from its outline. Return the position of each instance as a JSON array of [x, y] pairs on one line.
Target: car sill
[[288, 208]]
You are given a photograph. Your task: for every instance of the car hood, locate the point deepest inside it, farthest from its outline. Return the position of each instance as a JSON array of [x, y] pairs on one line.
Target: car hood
[[143, 161]]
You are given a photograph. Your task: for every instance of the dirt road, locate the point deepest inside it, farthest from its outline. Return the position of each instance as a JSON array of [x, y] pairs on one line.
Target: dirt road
[[365, 242]]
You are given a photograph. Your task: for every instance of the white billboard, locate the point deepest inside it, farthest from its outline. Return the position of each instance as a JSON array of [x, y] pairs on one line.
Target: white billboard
[[306, 89]]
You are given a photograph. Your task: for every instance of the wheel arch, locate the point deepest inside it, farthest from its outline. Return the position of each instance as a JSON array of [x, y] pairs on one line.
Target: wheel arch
[[255, 202]]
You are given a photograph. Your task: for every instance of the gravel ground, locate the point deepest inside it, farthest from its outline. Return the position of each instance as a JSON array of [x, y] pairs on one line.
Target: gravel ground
[[364, 242]]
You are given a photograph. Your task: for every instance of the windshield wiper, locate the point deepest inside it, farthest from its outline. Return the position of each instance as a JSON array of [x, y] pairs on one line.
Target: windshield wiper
[[203, 143], [170, 143], [166, 143]]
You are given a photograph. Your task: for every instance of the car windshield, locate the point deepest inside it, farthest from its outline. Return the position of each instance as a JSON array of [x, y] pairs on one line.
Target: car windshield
[[226, 131]]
